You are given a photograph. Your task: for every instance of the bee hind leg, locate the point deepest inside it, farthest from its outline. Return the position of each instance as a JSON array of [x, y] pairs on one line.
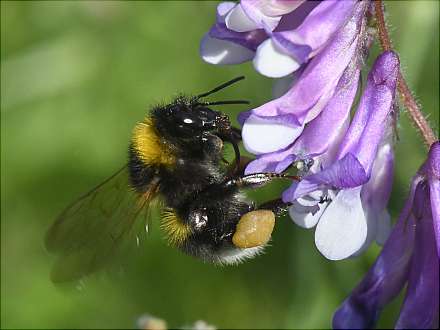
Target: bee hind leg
[[277, 206], [255, 228]]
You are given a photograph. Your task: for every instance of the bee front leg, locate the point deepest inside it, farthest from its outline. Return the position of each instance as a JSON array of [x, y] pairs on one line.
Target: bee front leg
[[233, 136], [212, 145], [236, 134]]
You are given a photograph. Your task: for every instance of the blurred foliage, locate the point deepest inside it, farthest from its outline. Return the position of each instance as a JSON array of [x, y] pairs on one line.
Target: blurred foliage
[[75, 78]]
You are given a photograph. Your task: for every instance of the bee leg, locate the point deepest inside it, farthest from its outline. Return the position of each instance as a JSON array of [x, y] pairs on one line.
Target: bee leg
[[255, 227], [237, 158], [277, 206], [244, 161], [212, 145], [246, 181], [233, 136], [236, 134], [258, 179]]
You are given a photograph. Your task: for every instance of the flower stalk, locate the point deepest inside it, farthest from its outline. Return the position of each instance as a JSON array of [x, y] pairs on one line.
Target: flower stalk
[[414, 111]]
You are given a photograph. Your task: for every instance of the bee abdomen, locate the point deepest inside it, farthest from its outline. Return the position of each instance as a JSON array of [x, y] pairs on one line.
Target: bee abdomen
[[176, 230]]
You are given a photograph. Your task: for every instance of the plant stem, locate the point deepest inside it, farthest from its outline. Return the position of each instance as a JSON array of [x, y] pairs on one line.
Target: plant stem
[[414, 111]]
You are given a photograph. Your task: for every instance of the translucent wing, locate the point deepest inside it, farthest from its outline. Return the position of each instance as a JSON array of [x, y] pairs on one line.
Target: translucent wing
[[93, 229]]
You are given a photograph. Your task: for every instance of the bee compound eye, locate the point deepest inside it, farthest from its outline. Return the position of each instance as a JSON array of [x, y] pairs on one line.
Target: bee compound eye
[[198, 219]]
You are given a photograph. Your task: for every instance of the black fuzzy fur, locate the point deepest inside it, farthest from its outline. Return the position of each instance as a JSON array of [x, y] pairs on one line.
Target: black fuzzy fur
[[194, 185]]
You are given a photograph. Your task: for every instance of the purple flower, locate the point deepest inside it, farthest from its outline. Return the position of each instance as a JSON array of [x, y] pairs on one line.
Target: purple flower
[[282, 120], [410, 257], [346, 168], [346, 190], [222, 45], [279, 35], [346, 164], [357, 176]]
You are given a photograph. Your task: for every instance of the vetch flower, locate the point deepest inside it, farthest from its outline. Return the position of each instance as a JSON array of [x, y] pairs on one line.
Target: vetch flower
[[346, 168], [358, 175], [282, 120], [321, 135], [312, 34], [279, 35], [253, 14], [410, 257], [222, 45], [318, 49]]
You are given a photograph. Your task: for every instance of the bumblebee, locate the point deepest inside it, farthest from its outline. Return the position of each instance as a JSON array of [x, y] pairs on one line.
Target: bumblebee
[[176, 160]]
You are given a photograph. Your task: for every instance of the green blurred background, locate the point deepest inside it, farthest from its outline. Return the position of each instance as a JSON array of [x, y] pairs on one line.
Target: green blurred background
[[75, 78]]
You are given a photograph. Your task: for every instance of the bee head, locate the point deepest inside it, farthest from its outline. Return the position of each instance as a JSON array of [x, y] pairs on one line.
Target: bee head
[[188, 118]]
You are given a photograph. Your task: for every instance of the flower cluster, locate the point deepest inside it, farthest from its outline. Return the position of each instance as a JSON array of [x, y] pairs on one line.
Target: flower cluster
[[345, 160], [278, 35], [410, 256], [346, 165]]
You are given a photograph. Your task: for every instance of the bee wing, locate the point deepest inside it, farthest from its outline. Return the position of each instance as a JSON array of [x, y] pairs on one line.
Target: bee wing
[[91, 231]]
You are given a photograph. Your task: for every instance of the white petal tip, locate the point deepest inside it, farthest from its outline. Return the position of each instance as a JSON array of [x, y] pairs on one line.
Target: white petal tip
[[304, 220], [262, 136], [307, 210], [342, 229], [237, 20], [272, 62], [216, 51], [224, 8]]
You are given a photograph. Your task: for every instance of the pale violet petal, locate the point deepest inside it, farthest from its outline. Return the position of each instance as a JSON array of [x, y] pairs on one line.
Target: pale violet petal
[[238, 21], [272, 62], [371, 231], [261, 135], [216, 51], [320, 193], [315, 196], [383, 227], [321, 104], [308, 200], [369, 123], [225, 7], [253, 11], [342, 228], [321, 24], [278, 7], [306, 219]]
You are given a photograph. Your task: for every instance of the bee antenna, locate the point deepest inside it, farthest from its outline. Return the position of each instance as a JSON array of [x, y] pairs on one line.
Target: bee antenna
[[225, 102], [222, 86]]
